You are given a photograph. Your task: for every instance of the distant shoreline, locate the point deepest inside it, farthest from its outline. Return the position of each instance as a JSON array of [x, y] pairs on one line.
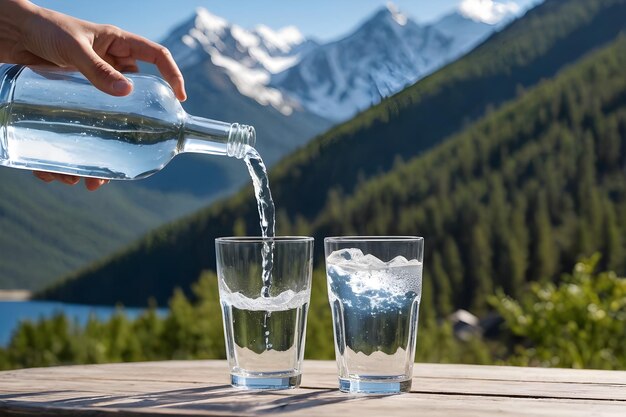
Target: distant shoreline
[[15, 295]]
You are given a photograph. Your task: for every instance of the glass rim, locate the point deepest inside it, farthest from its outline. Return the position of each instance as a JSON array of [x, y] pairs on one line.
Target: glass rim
[[261, 239], [361, 239]]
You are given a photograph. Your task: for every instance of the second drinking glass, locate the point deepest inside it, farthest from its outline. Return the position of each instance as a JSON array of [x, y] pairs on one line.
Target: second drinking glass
[[374, 289]]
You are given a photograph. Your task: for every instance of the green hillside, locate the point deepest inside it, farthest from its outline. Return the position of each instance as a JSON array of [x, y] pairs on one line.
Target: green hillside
[[520, 195], [535, 47], [503, 165], [49, 230]]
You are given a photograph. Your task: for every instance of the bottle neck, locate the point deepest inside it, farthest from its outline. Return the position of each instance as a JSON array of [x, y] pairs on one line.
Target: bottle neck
[[208, 136]]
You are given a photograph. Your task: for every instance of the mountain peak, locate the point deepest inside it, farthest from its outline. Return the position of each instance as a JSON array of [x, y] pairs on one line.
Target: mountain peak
[[488, 11], [249, 58], [396, 14], [387, 15], [283, 39], [208, 22]]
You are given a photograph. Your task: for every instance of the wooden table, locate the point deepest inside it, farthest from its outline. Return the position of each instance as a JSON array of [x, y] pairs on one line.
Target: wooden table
[[201, 388]]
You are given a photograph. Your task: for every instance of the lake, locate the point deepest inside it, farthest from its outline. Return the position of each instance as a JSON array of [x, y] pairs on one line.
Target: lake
[[13, 312]]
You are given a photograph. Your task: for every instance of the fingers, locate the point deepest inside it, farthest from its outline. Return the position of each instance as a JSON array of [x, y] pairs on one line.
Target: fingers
[[145, 50], [50, 176], [90, 183], [100, 73], [127, 68], [68, 179], [44, 176], [126, 64], [93, 184]]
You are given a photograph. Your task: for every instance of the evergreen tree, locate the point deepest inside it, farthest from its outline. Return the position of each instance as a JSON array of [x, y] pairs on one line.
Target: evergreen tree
[[544, 251], [501, 242], [612, 236], [609, 143], [441, 286], [588, 199], [480, 268], [454, 268], [518, 246]]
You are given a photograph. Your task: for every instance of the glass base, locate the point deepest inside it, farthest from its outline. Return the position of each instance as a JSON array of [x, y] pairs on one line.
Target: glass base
[[369, 386], [265, 383]]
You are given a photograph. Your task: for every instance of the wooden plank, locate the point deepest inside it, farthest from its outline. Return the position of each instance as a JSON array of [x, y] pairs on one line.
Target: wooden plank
[[495, 373], [330, 403], [201, 388], [433, 378], [512, 373], [209, 370], [443, 386], [497, 380]]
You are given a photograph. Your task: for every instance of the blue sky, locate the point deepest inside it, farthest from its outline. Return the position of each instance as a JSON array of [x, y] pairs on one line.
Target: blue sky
[[322, 19]]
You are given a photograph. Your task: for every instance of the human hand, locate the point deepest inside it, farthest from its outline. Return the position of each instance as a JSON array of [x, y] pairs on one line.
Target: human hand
[[36, 36], [92, 184], [33, 35]]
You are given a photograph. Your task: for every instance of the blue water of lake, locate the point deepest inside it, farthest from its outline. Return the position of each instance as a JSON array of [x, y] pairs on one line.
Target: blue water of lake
[[13, 312]]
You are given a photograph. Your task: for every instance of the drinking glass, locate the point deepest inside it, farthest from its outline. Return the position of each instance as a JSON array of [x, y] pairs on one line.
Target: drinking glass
[[265, 288], [374, 290]]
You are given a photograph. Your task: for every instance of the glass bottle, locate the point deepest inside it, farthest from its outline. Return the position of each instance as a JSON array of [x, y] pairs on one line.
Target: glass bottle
[[55, 120]]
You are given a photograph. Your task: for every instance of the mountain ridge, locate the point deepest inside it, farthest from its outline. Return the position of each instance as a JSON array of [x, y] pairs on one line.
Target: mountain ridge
[[281, 68], [331, 81]]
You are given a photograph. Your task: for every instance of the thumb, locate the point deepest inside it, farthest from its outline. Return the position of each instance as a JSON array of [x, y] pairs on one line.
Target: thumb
[[102, 75]]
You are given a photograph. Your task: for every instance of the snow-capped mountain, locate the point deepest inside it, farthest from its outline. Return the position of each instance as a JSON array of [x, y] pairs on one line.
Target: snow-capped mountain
[[227, 71], [248, 57], [386, 53], [292, 88], [283, 70]]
